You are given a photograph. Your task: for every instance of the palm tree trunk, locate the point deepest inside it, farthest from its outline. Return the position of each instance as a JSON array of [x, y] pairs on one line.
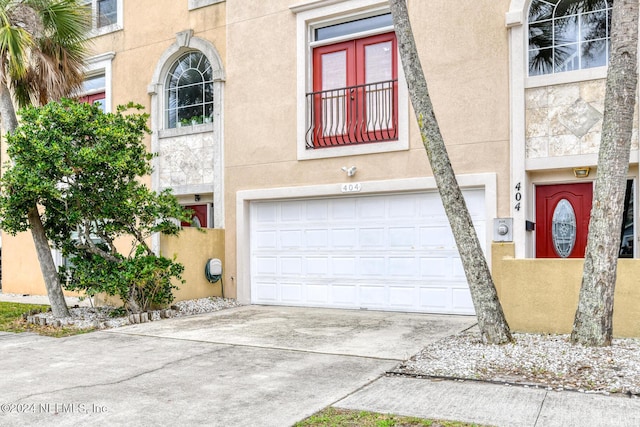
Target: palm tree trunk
[[593, 324], [47, 266], [491, 321]]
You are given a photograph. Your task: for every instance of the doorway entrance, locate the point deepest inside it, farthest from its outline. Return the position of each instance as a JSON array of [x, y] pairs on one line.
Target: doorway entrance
[[562, 219]]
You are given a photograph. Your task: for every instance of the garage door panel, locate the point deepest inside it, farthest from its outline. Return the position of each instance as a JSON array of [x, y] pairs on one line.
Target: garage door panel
[[434, 267], [371, 238], [344, 238], [317, 294], [436, 299], [266, 240], [317, 266], [344, 294], [343, 209], [372, 266], [390, 252], [403, 207], [266, 265], [343, 266], [373, 296], [403, 267], [266, 292], [291, 266], [438, 237], [266, 213], [291, 211], [292, 292], [402, 296], [371, 208], [290, 238], [402, 237], [317, 238]]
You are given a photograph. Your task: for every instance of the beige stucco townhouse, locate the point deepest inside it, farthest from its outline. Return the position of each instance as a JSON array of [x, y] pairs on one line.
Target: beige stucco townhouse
[[287, 129]]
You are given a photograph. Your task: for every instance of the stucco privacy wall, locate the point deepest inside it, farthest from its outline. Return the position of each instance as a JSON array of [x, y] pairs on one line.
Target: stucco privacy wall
[[193, 248], [24, 276], [566, 119], [464, 52], [541, 295]]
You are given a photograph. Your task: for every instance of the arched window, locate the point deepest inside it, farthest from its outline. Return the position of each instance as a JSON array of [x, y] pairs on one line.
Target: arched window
[[567, 35], [189, 91]]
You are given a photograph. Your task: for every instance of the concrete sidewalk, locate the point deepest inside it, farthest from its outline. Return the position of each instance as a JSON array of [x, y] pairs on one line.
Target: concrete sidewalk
[[493, 404]]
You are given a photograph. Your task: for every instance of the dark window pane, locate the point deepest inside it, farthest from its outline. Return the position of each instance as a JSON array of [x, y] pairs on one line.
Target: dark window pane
[[573, 21], [107, 12], [594, 54], [593, 25], [541, 35], [627, 240], [353, 27], [190, 77], [540, 10], [540, 61], [566, 30], [566, 58]]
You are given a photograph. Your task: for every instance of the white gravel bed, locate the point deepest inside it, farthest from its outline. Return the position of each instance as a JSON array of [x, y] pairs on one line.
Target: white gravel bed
[[534, 360], [102, 317]]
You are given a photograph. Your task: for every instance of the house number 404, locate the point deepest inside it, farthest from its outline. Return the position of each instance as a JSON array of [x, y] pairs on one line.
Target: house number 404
[[351, 187], [518, 196]]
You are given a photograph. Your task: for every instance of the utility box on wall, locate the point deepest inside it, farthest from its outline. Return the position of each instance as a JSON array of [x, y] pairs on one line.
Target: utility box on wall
[[503, 229]]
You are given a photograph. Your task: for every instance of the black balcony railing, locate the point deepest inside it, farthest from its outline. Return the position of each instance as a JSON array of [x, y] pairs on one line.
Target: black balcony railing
[[352, 115]]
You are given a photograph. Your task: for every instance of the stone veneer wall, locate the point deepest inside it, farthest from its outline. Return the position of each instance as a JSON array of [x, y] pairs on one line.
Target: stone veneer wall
[[566, 120], [186, 160]]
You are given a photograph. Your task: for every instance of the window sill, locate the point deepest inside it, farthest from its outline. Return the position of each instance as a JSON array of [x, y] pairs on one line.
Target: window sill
[[97, 32], [185, 130], [354, 150], [197, 4], [566, 77]]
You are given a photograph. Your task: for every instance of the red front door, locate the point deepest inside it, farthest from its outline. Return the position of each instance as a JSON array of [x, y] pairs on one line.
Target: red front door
[[198, 216], [562, 219]]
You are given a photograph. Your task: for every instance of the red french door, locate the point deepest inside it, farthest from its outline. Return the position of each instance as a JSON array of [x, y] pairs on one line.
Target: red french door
[[355, 91], [562, 219]]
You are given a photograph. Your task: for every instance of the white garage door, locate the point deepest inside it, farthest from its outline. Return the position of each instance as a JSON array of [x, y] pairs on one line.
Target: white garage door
[[387, 252]]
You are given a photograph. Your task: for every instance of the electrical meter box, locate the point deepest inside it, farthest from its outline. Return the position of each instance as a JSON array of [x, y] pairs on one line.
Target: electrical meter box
[[503, 229]]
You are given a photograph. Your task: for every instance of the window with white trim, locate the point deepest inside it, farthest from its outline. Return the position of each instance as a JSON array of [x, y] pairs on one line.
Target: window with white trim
[[568, 35], [189, 91], [352, 95], [94, 90], [355, 84], [106, 15]]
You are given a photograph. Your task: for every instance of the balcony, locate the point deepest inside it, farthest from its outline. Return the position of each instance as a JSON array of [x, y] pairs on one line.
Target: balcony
[[352, 115]]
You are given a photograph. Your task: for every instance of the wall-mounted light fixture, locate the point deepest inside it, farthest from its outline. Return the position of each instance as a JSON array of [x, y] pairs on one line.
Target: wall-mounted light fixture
[[197, 197], [581, 172], [349, 170]]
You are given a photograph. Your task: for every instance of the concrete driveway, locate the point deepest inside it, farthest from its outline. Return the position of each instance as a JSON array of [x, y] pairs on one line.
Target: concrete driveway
[[253, 365]]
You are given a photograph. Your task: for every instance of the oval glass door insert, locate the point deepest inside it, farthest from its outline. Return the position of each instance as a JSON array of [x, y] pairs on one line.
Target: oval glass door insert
[[563, 228]]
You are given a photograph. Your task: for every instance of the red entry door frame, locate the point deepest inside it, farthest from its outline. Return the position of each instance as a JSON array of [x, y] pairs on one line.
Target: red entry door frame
[[580, 196]]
